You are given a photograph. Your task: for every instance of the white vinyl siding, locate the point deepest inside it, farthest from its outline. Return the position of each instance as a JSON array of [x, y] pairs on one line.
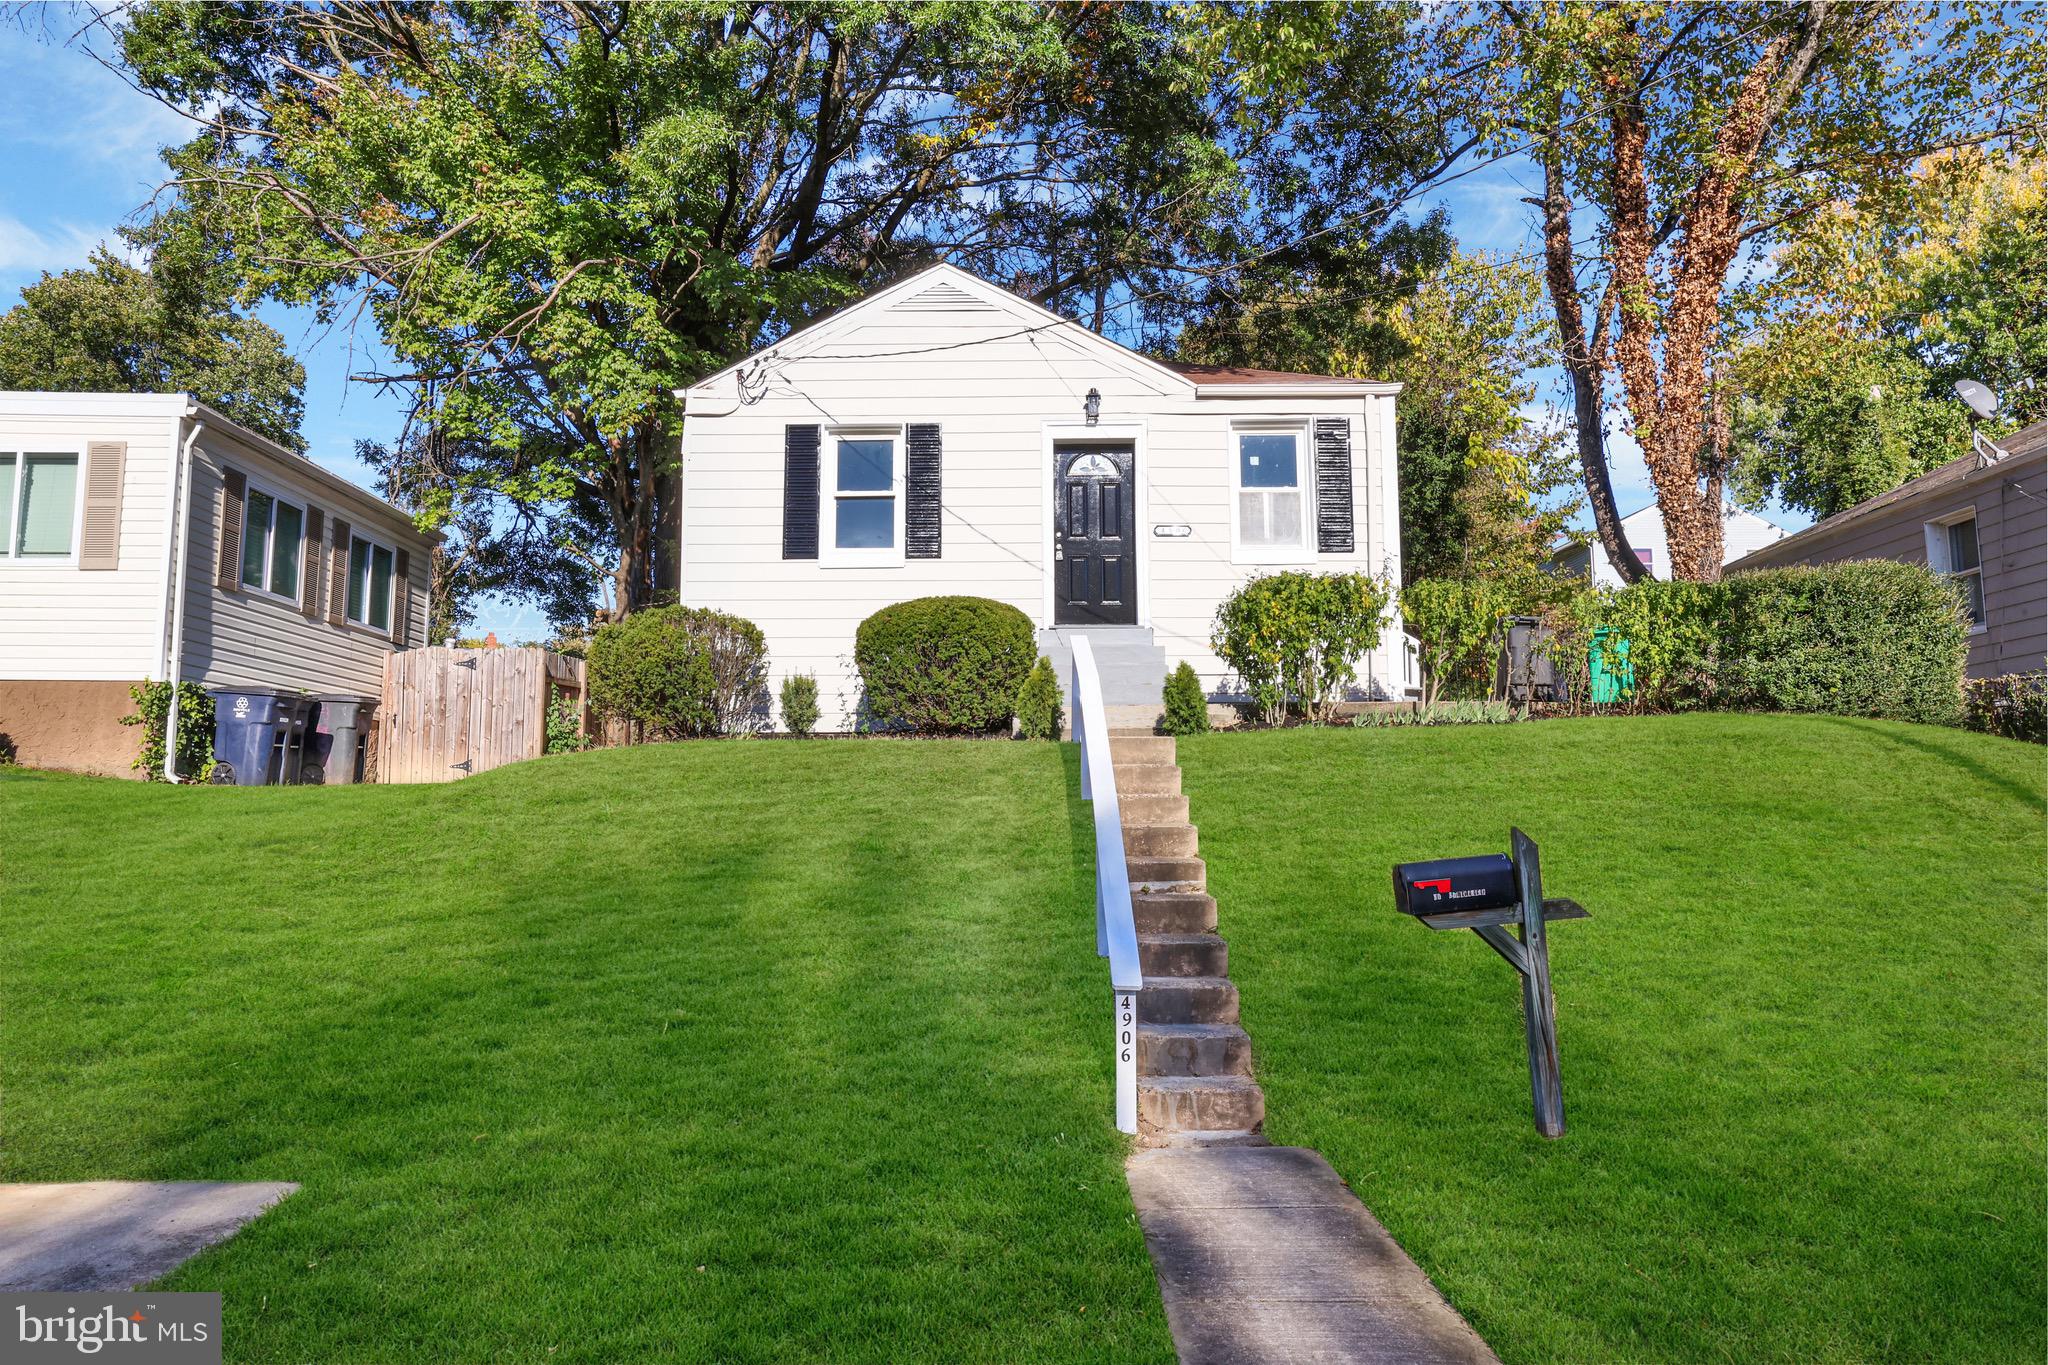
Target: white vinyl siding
[[58, 622], [995, 386]]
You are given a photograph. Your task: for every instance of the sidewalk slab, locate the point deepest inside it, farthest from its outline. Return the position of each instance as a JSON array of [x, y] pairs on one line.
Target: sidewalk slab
[[1266, 1257], [116, 1235]]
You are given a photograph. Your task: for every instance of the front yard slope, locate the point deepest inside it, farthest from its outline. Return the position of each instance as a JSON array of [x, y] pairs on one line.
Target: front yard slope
[[1802, 1035], [722, 1051]]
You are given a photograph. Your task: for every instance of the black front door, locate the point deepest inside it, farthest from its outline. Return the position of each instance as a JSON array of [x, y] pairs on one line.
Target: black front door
[[1095, 579]]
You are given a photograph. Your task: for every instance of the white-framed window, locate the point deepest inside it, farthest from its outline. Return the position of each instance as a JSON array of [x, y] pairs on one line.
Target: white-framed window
[[273, 543], [1274, 513], [39, 505], [1952, 550], [860, 517], [371, 568]]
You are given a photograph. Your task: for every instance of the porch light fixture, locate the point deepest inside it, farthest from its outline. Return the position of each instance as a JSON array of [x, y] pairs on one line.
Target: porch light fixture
[[1093, 406]]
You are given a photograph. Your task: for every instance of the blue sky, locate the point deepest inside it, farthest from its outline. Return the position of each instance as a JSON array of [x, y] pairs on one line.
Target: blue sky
[[78, 157]]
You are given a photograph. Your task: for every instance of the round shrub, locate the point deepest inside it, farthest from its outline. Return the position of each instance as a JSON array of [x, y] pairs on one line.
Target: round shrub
[[681, 672], [944, 665]]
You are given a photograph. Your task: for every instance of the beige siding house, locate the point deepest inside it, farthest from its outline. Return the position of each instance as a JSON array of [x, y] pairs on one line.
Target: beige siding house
[[1983, 518], [944, 436], [139, 529]]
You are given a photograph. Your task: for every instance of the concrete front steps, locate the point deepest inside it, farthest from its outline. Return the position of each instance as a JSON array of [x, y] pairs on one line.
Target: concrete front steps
[[1195, 1081]]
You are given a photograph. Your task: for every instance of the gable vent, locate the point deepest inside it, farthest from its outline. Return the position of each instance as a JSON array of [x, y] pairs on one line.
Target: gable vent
[[944, 298]]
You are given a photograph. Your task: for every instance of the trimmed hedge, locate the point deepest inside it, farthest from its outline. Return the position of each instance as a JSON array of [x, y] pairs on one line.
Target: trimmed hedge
[[1858, 638], [1863, 638], [681, 673], [944, 665]]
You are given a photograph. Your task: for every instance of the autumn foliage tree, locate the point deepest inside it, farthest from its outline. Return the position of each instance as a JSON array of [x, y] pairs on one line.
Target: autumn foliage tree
[[1679, 143]]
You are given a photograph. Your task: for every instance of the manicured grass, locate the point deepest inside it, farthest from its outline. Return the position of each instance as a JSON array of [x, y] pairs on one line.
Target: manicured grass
[[1802, 1036], [736, 1052]]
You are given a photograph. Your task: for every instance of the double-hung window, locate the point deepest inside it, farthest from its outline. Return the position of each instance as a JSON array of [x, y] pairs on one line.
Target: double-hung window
[[369, 583], [1955, 544], [863, 496], [273, 543], [1270, 478], [38, 505]]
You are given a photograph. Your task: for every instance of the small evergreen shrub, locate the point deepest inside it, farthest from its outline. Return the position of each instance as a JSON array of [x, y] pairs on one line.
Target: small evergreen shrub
[[944, 665], [1038, 703], [1297, 637], [681, 672], [1185, 704], [800, 704], [195, 729], [2015, 706]]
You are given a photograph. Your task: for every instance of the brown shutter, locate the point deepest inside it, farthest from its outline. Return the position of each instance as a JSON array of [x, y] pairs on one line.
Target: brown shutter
[[99, 547], [234, 489], [401, 601], [337, 577], [309, 589]]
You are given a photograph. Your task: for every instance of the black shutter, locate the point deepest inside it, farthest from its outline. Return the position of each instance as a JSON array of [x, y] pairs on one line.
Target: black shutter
[[921, 464], [1333, 486], [799, 492]]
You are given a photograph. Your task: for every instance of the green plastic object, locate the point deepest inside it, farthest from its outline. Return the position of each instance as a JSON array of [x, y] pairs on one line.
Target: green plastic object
[[1610, 685]]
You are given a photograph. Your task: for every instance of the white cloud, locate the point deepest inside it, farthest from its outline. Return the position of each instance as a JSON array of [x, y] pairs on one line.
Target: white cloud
[[27, 251]]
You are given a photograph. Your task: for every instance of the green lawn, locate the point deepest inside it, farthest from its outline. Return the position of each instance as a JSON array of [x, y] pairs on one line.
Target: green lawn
[[1802, 1036], [745, 1051]]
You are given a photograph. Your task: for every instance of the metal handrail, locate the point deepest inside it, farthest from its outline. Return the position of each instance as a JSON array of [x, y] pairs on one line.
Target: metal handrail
[[1116, 927]]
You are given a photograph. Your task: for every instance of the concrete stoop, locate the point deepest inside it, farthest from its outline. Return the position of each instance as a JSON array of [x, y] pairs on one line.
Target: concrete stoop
[[1195, 1083]]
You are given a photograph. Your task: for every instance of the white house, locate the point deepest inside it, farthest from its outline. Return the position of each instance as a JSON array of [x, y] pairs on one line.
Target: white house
[[142, 530], [944, 436], [1741, 533]]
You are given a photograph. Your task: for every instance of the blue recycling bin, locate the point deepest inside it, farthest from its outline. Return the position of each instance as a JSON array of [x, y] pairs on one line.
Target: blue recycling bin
[[259, 735]]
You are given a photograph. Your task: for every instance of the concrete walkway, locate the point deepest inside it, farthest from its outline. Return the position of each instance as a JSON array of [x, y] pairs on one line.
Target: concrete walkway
[[114, 1235], [1265, 1255]]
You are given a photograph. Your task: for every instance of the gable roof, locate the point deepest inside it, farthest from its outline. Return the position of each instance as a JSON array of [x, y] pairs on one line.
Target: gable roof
[[943, 288], [2028, 443]]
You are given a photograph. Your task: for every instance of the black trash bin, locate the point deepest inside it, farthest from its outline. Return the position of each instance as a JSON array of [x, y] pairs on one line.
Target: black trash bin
[[334, 748], [259, 736]]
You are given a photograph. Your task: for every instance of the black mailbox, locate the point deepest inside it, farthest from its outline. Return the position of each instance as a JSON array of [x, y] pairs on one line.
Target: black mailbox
[[1487, 882]]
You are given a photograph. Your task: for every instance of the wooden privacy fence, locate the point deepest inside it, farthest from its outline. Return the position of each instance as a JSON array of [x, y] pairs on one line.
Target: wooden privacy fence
[[448, 713]]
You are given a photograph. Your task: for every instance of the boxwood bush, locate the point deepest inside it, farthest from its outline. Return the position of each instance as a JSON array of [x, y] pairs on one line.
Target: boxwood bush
[[681, 672], [944, 665]]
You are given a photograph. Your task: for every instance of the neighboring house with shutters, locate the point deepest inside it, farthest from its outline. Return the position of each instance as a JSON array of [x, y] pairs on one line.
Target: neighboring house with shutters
[[138, 529], [945, 436], [1982, 518]]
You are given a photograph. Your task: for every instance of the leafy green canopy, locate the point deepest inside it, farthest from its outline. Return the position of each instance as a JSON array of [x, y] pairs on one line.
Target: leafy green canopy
[[557, 215], [1870, 316], [111, 327]]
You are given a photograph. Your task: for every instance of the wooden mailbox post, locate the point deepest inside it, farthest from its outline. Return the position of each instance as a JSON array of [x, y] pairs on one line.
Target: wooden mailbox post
[[1488, 895]]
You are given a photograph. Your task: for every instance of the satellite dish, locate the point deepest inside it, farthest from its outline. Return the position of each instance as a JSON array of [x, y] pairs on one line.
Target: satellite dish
[[1980, 399]]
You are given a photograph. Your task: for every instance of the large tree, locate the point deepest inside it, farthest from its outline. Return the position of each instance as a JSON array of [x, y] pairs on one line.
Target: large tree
[[1678, 143], [556, 215], [114, 327]]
